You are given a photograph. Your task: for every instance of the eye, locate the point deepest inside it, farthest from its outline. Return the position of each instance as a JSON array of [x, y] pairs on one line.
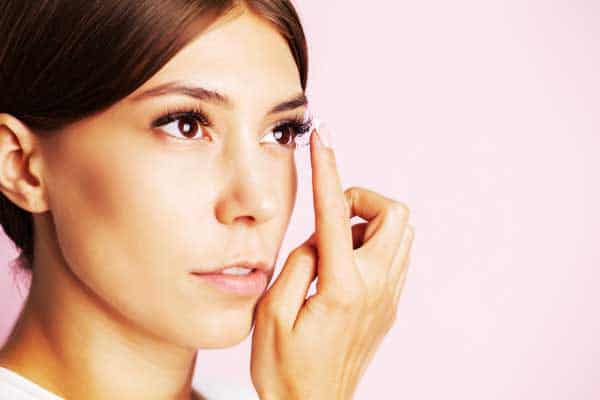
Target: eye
[[183, 125], [186, 124], [288, 132]]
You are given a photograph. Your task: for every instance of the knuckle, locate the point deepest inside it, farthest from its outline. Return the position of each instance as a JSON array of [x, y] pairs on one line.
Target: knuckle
[[352, 190], [411, 228], [379, 282], [330, 159], [390, 290], [392, 311], [352, 193], [410, 235], [392, 319], [350, 298], [269, 309], [400, 209], [302, 254]]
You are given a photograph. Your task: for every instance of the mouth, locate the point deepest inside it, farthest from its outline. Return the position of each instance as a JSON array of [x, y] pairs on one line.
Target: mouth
[[245, 278], [250, 283], [238, 265]]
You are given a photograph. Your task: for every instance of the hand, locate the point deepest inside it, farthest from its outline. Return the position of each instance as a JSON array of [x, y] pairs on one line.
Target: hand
[[318, 347]]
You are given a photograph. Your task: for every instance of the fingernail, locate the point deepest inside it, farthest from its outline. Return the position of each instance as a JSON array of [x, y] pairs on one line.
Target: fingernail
[[324, 135]]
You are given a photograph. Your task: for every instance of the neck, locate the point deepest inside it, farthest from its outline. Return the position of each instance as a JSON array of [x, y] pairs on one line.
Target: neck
[[69, 342]]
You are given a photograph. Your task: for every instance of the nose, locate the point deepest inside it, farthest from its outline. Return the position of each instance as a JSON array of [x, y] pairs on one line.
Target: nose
[[248, 195]]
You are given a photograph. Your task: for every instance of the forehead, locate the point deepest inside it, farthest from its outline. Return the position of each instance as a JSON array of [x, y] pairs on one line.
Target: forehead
[[241, 55]]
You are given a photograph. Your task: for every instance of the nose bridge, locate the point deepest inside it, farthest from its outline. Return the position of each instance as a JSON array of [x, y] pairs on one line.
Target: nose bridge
[[247, 191]]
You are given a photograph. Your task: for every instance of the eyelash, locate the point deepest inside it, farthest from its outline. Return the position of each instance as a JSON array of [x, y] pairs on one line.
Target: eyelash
[[298, 125]]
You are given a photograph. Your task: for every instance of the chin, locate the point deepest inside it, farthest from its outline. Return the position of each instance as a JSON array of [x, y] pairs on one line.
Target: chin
[[216, 329]]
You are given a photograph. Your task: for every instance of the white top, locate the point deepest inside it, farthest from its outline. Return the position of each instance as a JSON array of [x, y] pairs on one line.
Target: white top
[[14, 386]]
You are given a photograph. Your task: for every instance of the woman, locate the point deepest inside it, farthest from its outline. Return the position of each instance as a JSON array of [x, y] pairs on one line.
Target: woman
[[145, 147]]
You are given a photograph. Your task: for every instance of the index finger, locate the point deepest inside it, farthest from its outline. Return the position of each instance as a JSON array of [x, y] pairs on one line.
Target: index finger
[[332, 223]]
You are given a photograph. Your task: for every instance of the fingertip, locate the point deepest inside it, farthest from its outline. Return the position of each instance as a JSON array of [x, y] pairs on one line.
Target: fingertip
[[325, 135], [314, 135], [321, 133]]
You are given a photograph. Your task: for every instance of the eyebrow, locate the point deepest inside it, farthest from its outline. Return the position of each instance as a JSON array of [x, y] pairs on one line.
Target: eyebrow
[[214, 97]]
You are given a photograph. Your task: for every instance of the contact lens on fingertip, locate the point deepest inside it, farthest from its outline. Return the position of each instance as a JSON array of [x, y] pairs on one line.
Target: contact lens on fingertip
[[323, 133]]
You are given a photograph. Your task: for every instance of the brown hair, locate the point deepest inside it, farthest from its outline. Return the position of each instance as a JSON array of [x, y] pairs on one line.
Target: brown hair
[[64, 60]]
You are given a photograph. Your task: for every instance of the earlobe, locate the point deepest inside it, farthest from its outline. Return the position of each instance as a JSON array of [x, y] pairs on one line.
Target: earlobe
[[20, 165]]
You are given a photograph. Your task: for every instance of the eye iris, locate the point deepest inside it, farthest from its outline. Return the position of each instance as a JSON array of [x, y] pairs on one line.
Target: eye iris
[[187, 126], [285, 132]]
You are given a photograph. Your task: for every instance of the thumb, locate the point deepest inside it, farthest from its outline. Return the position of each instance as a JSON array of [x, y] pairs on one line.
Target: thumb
[[288, 293]]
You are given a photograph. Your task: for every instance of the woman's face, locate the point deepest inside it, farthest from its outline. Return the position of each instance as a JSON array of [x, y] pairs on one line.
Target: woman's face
[[136, 207]]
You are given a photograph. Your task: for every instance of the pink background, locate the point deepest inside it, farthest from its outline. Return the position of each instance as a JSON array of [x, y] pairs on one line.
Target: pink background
[[482, 116]]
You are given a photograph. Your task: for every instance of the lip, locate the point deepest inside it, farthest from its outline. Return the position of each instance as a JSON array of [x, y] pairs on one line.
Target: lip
[[259, 265], [252, 283]]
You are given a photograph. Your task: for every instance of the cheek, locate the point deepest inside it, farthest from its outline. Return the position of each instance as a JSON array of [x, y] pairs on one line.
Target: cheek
[[127, 213], [131, 224], [128, 225], [280, 170], [150, 212], [290, 188], [129, 231], [283, 183]]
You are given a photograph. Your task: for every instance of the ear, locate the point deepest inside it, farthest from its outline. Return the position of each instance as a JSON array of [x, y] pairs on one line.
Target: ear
[[21, 165]]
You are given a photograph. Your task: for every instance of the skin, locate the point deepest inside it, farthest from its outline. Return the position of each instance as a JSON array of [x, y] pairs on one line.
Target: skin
[[319, 347], [123, 212], [115, 243]]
